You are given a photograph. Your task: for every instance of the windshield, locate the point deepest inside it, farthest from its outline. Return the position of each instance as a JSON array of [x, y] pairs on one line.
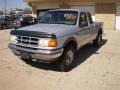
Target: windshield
[[60, 17]]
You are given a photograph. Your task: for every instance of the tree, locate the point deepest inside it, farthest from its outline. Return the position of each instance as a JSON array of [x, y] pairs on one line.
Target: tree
[[30, 4]]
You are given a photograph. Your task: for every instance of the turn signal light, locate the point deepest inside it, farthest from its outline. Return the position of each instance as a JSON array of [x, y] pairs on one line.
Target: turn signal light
[[52, 43]]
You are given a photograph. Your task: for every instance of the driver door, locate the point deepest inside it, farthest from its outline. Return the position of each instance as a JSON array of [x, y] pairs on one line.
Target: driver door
[[84, 29]]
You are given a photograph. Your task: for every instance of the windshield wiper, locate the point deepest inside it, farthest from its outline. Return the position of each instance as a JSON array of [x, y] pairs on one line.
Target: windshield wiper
[[59, 23], [44, 22], [54, 22]]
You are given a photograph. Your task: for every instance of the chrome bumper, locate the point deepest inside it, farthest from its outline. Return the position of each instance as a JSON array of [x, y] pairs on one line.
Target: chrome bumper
[[43, 55]]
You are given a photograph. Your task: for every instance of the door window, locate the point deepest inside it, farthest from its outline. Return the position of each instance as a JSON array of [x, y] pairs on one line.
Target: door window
[[83, 19]]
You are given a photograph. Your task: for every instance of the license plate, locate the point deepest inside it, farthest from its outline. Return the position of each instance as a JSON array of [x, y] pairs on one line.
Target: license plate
[[25, 55]]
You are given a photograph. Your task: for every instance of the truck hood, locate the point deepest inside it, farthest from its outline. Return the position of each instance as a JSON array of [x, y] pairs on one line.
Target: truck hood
[[58, 29]]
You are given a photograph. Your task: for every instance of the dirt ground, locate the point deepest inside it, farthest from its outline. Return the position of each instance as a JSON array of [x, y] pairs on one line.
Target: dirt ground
[[94, 69]]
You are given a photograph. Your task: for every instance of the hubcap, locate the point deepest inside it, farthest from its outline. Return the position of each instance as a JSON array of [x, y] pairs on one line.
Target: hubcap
[[70, 57]]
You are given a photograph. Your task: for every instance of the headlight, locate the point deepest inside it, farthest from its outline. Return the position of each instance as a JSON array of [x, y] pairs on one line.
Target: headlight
[[48, 42], [13, 38]]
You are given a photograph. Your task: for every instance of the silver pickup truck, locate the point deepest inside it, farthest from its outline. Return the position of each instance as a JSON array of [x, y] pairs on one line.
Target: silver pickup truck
[[57, 37]]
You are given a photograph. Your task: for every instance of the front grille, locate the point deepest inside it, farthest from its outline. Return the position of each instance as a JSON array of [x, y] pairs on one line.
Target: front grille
[[27, 41]]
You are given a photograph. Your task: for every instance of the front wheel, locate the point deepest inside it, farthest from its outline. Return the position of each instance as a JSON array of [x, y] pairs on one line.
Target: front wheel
[[98, 41], [67, 58]]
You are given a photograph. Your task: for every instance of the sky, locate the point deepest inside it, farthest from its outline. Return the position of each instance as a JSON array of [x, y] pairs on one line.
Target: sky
[[13, 4]]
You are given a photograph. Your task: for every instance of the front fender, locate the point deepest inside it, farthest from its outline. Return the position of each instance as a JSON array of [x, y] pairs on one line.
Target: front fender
[[70, 39]]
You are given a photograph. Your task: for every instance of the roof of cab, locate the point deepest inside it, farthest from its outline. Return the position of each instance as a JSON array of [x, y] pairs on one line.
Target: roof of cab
[[78, 10]]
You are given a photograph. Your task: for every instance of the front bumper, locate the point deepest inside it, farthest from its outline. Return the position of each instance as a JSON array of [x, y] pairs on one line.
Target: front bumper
[[43, 55]]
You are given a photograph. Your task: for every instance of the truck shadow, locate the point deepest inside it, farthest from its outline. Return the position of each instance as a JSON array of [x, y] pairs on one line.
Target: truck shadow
[[85, 52], [82, 55]]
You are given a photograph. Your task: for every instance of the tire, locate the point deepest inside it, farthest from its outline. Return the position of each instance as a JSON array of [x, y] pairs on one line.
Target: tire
[[67, 58], [98, 41]]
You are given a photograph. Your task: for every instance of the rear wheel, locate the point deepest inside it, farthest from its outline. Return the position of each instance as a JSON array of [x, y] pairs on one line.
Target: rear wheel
[[67, 58], [98, 41]]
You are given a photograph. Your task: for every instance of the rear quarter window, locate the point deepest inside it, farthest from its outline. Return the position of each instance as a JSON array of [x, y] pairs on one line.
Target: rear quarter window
[[90, 18]]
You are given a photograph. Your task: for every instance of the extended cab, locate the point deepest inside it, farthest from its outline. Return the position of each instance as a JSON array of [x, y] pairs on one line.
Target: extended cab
[[57, 37]]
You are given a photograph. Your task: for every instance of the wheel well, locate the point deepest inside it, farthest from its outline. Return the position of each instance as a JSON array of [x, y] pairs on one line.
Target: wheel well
[[72, 43]]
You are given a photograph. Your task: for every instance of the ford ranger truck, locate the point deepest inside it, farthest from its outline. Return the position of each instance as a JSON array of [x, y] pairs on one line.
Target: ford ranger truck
[[57, 37]]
